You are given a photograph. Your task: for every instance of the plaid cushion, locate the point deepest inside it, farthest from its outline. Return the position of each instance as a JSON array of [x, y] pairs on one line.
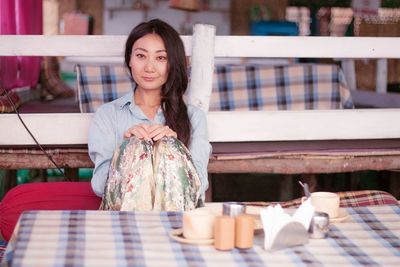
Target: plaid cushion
[[50, 79], [235, 87], [289, 87], [101, 84], [5, 105], [347, 199]]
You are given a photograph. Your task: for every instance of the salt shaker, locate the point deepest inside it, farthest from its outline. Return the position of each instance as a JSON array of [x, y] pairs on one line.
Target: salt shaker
[[244, 231], [232, 208], [224, 232], [319, 226]]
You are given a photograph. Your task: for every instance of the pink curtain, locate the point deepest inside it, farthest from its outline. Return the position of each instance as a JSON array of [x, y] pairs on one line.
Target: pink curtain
[[20, 17]]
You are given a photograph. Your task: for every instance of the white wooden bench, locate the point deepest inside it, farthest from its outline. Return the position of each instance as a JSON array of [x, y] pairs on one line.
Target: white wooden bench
[[67, 133]]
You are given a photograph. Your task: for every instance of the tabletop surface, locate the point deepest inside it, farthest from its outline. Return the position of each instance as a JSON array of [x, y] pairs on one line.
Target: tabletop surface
[[369, 236]]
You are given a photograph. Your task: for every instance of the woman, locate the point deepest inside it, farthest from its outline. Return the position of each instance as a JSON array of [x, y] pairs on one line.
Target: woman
[[138, 142]]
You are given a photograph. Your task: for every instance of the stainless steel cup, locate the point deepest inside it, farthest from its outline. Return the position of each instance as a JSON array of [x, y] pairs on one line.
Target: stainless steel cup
[[233, 208], [319, 226]]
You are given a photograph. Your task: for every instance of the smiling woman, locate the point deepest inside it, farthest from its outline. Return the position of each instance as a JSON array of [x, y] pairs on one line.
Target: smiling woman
[[149, 148]]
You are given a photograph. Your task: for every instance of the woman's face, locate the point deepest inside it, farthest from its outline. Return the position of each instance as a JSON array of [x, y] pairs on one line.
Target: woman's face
[[149, 62]]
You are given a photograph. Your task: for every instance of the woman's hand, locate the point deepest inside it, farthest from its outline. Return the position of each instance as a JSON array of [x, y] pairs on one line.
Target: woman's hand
[[150, 132], [158, 131], [141, 131]]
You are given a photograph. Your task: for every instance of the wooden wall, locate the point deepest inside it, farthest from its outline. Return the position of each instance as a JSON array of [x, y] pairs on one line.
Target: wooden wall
[[366, 69]]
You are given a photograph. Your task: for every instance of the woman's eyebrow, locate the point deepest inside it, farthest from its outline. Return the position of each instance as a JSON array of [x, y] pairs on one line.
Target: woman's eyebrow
[[142, 49], [145, 50]]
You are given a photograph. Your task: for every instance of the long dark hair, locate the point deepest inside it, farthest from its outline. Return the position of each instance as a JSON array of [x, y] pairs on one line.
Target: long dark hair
[[172, 104]]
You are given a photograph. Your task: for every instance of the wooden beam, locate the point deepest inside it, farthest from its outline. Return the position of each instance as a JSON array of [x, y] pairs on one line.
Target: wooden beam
[[305, 164], [68, 45], [307, 47], [225, 46], [275, 163], [237, 126], [202, 63]]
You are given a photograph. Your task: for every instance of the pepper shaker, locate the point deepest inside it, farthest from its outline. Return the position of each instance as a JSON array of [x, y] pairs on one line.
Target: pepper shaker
[[319, 226], [224, 232], [244, 231]]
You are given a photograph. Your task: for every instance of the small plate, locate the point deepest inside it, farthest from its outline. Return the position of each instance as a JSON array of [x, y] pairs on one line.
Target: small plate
[[177, 235], [343, 215]]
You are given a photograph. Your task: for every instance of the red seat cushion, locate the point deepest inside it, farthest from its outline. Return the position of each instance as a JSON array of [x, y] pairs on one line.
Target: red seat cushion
[[44, 196]]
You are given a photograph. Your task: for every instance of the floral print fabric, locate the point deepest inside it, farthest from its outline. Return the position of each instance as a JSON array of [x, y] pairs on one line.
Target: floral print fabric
[[144, 176]]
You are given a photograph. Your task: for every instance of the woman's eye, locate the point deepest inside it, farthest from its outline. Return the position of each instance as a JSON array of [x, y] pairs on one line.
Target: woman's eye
[[162, 58], [139, 55]]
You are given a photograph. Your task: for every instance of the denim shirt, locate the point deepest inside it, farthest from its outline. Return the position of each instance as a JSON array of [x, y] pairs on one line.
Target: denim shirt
[[114, 118]]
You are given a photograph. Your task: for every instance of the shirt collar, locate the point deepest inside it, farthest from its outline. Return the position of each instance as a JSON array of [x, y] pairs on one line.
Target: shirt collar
[[137, 112], [125, 100]]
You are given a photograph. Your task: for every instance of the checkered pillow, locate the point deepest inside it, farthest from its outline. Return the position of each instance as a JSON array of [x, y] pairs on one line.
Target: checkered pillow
[[289, 87], [101, 84], [347, 199], [235, 87]]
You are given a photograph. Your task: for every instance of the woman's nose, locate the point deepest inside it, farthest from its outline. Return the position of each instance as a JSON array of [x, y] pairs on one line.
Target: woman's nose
[[149, 65]]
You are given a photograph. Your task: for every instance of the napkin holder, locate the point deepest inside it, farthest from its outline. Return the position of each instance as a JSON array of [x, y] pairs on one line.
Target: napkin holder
[[282, 230], [292, 234]]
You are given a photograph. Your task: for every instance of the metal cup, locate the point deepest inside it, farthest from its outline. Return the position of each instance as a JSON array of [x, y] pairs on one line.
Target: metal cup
[[232, 208], [319, 226]]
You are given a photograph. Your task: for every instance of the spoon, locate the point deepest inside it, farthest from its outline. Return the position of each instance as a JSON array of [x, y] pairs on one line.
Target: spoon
[[306, 189]]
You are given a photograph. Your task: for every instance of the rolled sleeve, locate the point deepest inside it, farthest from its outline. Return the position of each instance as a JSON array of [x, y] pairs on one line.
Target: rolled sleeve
[[101, 148], [200, 147]]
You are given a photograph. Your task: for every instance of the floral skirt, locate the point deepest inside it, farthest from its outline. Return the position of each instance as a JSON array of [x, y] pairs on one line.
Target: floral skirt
[[144, 176]]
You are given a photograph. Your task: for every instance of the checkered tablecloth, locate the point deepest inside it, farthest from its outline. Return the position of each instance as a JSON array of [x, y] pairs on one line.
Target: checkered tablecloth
[[369, 236]]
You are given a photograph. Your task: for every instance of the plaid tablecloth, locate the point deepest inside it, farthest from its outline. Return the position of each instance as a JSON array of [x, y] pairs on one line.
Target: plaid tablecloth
[[369, 236]]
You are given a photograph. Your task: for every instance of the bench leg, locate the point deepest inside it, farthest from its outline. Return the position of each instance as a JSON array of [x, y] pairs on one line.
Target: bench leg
[[72, 174], [209, 193], [394, 181], [286, 187], [10, 180]]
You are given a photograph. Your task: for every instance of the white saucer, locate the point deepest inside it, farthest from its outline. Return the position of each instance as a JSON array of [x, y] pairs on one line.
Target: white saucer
[[177, 235], [343, 215]]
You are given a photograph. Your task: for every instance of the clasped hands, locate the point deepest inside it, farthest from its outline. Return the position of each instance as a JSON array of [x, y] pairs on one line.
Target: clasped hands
[[152, 132]]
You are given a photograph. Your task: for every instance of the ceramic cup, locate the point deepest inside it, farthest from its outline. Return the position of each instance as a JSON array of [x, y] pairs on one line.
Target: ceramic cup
[[198, 224], [327, 202]]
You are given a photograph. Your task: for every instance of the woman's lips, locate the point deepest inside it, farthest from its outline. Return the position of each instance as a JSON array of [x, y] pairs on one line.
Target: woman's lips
[[149, 79]]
